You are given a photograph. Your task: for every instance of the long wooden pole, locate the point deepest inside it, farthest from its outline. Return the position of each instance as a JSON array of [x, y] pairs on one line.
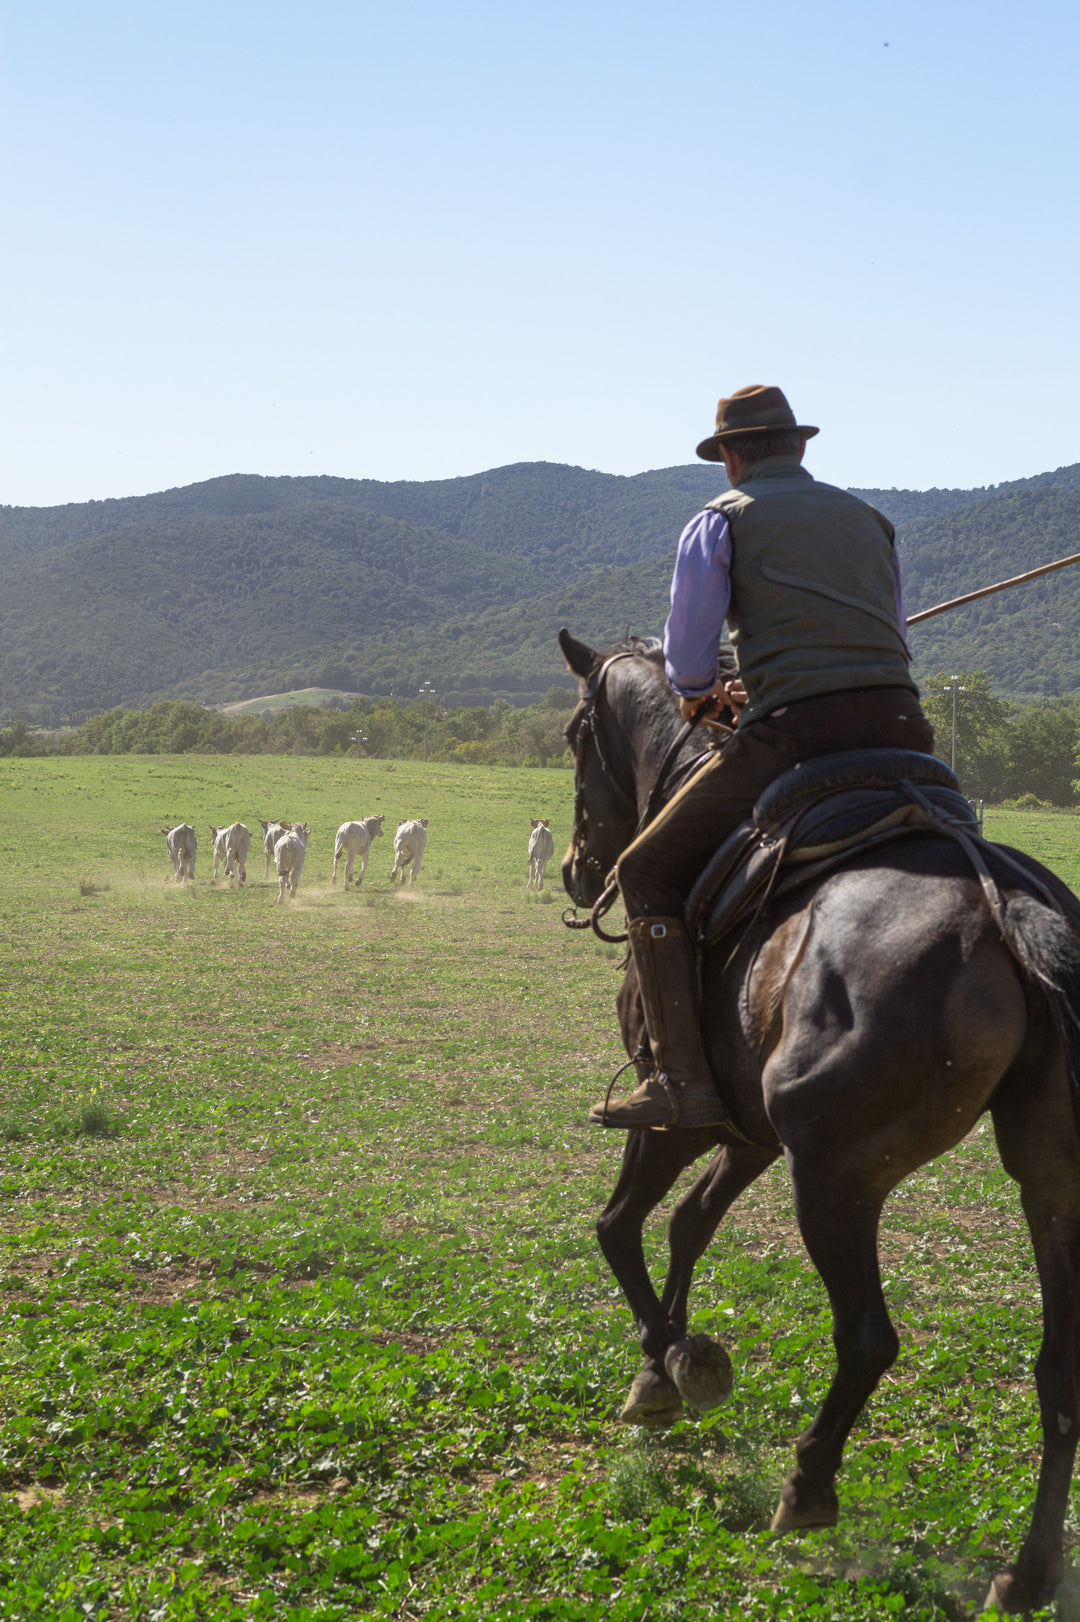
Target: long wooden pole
[[985, 591]]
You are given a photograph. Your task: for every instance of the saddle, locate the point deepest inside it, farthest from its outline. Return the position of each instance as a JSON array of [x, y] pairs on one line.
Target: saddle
[[816, 815]]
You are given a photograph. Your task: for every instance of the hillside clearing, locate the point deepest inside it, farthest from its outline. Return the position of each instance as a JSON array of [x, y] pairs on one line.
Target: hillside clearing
[[287, 701]]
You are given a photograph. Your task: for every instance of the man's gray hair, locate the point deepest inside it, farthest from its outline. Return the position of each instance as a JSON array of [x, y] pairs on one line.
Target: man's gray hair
[[770, 442]]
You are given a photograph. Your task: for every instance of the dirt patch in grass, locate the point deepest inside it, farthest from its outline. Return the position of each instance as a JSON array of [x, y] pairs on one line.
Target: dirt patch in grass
[[339, 1054], [299, 1499], [34, 1496], [417, 1345]]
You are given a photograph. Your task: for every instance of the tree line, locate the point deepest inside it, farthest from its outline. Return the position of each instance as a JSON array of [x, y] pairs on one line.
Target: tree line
[[1005, 751], [380, 728], [1002, 751]]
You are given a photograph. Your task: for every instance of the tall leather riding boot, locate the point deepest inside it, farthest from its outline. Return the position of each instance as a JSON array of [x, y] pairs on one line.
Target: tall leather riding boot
[[680, 1090]]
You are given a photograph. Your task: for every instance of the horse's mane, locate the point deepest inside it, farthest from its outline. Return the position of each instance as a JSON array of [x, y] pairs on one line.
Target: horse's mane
[[652, 649], [646, 647]]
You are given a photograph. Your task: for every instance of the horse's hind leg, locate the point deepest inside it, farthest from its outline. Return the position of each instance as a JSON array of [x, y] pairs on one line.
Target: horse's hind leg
[[1040, 1149], [1032, 1579], [839, 1225]]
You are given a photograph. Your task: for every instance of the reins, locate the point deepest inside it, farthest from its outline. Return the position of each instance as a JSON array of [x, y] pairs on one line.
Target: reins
[[658, 794]]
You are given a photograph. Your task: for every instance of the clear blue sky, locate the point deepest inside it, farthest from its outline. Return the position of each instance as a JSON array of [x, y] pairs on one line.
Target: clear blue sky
[[413, 241]]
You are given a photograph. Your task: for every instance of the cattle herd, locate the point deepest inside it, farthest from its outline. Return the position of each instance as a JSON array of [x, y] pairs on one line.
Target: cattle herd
[[285, 847]]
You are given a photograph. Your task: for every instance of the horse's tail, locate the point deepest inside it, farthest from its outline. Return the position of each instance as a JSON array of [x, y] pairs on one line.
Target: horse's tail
[[1046, 946]]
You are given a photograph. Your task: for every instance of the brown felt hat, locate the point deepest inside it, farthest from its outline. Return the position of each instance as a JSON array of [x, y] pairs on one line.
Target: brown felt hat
[[755, 410]]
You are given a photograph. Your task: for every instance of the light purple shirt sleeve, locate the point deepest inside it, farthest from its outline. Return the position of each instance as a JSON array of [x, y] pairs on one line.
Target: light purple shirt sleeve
[[700, 598], [700, 595]]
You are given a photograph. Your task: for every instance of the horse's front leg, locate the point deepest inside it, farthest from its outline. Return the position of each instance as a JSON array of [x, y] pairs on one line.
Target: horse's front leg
[[651, 1163], [699, 1213], [699, 1366]]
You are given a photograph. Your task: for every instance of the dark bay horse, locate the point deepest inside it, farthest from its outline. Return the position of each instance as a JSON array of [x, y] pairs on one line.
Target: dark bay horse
[[860, 1029]]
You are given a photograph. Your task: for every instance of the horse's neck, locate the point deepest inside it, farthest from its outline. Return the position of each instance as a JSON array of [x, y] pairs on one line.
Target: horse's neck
[[650, 723]]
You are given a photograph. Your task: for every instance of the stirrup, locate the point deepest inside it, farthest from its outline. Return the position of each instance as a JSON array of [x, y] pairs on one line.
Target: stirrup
[[598, 1114]]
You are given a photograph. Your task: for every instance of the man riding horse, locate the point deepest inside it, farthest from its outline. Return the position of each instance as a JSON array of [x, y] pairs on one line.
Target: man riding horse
[[806, 577]]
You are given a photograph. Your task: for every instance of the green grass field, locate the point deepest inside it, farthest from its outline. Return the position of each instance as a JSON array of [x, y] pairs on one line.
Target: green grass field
[[303, 1314]]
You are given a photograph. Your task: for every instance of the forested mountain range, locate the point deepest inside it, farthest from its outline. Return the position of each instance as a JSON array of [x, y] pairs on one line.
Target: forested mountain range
[[246, 585]]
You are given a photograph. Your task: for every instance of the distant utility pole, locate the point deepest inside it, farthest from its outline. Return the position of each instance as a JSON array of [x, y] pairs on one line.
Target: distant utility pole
[[427, 692], [358, 738], [953, 687]]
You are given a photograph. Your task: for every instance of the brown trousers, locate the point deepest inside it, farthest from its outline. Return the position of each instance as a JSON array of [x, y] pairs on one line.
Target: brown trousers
[[657, 872]]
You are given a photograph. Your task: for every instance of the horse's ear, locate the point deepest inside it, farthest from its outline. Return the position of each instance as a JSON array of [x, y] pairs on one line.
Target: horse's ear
[[581, 659]]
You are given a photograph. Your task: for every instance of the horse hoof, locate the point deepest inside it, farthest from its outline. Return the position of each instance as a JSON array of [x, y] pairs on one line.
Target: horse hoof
[[1012, 1596], [997, 1595], [791, 1516], [701, 1370], [653, 1402]]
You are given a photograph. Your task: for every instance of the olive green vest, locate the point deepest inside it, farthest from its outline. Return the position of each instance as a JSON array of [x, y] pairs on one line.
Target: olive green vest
[[813, 595]]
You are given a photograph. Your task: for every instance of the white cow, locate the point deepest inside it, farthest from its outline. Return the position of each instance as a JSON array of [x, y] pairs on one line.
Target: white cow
[[353, 840], [220, 852], [541, 850], [231, 846], [289, 853], [272, 832], [181, 844], [409, 842]]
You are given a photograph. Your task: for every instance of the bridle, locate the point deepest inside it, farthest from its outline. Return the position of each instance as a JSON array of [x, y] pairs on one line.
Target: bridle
[[585, 731]]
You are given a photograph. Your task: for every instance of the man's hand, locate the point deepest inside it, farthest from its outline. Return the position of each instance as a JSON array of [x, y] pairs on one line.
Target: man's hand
[[729, 694], [706, 706], [736, 693]]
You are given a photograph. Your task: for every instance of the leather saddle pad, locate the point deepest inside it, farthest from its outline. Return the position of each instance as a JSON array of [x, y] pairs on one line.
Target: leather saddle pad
[[815, 813]]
